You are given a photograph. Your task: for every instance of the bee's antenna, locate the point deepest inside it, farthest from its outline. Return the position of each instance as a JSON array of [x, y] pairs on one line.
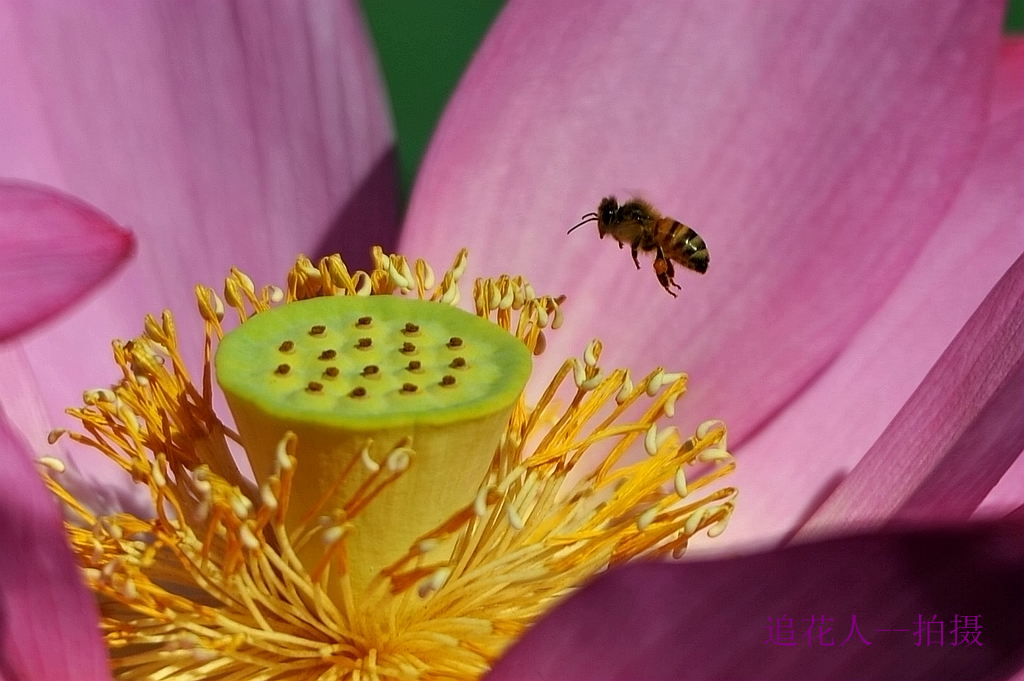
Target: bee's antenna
[[589, 217]]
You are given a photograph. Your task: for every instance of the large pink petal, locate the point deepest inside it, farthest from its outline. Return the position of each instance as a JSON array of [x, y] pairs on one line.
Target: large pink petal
[[226, 133], [727, 619], [1009, 491], [53, 249], [49, 625], [958, 432], [790, 464], [815, 147]]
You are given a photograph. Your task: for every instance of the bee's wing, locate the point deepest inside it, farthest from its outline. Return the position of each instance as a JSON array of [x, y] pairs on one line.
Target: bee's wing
[[639, 213]]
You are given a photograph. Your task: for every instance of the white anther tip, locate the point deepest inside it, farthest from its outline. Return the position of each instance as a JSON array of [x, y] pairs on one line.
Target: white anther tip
[[579, 373], [719, 527], [680, 482], [714, 454], [268, 498], [646, 518], [427, 545], [247, 538], [399, 459], [480, 503], [332, 535], [694, 521], [507, 299], [559, 318], [542, 317], [54, 464], [654, 384], [434, 582], [707, 426], [367, 461], [428, 276], [625, 391], [670, 405], [128, 589], [514, 519], [651, 440], [281, 457]]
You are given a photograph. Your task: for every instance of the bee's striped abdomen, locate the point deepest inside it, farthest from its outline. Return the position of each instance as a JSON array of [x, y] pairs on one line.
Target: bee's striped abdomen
[[683, 245]]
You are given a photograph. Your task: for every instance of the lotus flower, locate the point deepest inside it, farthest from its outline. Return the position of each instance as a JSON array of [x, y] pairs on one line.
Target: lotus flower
[[854, 172]]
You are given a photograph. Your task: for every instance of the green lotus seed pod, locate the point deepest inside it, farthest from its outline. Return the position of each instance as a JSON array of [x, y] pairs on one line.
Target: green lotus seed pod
[[415, 387]]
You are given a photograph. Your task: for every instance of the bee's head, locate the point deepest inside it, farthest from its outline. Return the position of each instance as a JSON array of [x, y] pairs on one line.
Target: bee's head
[[606, 214]]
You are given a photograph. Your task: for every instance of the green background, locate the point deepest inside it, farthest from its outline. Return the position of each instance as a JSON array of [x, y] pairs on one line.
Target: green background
[[423, 47]]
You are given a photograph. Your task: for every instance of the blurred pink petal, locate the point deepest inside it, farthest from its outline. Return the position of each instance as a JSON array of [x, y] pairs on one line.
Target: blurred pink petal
[[53, 249], [825, 431], [710, 620], [814, 146], [227, 133], [48, 620], [956, 435]]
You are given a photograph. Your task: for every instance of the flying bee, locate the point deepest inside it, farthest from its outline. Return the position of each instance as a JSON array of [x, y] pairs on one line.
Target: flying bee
[[637, 223]]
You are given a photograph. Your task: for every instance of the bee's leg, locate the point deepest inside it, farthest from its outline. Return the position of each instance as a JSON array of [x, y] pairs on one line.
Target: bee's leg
[[633, 250], [671, 271], [665, 271]]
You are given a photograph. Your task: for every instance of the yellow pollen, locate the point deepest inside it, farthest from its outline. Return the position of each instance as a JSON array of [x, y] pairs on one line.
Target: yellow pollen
[[226, 577]]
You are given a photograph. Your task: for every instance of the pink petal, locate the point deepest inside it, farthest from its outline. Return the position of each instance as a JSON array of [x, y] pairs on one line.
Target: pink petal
[[825, 431], [226, 133], [958, 433], [713, 620], [815, 148], [49, 625], [53, 249]]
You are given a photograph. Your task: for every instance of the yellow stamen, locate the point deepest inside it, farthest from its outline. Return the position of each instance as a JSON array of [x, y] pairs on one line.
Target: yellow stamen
[[235, 579]]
